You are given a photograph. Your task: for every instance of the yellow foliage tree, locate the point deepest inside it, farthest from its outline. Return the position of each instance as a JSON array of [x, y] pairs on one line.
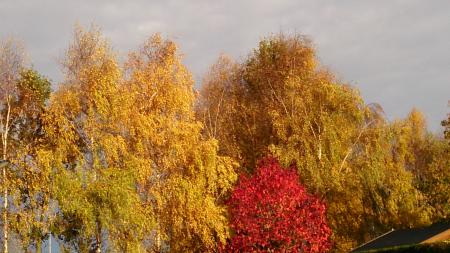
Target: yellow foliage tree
[[132, 171], [281, 101], [95, 180], [11, 65], [30, 219], [182, 177]]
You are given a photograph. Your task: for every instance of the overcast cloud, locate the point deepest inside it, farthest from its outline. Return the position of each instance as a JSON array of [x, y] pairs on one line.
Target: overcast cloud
[[397, 53]]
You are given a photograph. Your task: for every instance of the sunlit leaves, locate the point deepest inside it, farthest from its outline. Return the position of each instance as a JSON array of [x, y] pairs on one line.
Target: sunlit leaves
[[118, 160], [280, 100], [182, 178], [95, 189]]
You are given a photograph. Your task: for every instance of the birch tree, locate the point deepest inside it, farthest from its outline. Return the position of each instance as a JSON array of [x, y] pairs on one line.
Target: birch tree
[[30, 196], [11, 64], [281, 101], [183, 179], [94, 183]]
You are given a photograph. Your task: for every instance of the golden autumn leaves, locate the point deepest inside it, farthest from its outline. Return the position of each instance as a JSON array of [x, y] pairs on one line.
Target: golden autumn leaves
[[132, 165], [375, 175], [127, 158], [123, 157]]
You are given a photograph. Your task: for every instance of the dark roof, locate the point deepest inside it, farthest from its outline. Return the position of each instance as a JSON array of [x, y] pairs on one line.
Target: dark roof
[[404, 237]]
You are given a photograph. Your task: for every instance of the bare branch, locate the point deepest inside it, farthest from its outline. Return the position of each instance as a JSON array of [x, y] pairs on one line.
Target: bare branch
[[354, 143], [279, 100]]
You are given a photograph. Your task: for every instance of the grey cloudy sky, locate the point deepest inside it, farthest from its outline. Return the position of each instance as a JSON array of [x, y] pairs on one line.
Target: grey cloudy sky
[[397, 53]]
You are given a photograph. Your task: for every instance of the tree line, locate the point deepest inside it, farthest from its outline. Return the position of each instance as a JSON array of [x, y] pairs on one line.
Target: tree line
[[129, 157]]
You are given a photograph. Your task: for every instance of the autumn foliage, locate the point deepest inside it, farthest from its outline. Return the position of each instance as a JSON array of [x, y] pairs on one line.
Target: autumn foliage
[[130, 157], [271, 212]]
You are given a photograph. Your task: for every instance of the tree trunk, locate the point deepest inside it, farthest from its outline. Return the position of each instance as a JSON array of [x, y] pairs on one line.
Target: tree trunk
[[38, 246], [158, 238], [5, 210], [5, 179], [98, 238], [49, 243]]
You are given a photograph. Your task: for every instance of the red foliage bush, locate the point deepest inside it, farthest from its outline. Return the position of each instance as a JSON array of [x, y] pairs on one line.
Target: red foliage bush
[[271, 212]]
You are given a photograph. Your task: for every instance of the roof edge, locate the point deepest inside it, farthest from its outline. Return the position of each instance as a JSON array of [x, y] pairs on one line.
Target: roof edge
[[362, 245], [444, 235]]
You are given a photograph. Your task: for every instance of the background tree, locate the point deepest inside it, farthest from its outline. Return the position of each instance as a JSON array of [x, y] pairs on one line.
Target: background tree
[[446, 125], [271, 212], [427, 157], [385, 163], [434, 179], [30, 200], [219, 104]]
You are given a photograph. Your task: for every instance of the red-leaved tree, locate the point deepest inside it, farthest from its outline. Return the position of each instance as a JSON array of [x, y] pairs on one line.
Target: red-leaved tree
[[271, 212]]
